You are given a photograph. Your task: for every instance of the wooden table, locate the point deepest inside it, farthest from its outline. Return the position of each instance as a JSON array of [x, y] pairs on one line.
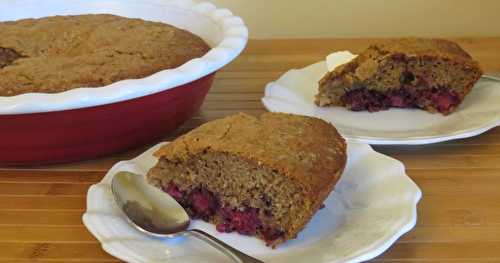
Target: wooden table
[[459, 215]]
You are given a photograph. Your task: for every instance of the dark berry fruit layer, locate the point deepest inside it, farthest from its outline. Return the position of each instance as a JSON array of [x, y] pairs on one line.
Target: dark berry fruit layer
[[443, 100], [203, 204]]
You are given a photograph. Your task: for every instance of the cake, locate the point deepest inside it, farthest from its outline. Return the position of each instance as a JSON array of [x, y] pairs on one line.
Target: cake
[[59, 53], [430, 74], [264, 177]]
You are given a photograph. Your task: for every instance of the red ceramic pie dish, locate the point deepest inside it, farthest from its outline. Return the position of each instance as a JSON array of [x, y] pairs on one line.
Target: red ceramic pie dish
[[91, 122], [70, 135]]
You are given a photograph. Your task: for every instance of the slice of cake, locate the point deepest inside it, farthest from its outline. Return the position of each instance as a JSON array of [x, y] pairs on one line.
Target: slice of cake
[[430, 74], [263, 177]]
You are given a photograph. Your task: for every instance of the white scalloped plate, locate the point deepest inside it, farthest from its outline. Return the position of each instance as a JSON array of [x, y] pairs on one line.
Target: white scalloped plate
[[294, 93], [224, 32], [373, 204]]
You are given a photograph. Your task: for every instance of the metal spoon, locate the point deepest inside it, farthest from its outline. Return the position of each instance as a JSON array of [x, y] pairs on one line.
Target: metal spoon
[[495, 77], [156, 213]]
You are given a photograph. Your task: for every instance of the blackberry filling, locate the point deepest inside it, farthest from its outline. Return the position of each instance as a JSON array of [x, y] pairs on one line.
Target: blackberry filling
[[202, 203], [8, 56], [271, 234], [441, 99], [174, 192], [245, 221], [199, 202], [364, 99]]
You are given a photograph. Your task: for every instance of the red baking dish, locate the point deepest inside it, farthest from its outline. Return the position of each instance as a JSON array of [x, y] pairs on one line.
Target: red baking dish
[[62, 136], [90, 122]]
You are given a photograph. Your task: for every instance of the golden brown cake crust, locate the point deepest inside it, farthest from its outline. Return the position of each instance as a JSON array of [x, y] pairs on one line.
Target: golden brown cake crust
[[410, 47], [426, 47], [276, 140], [59, 53]]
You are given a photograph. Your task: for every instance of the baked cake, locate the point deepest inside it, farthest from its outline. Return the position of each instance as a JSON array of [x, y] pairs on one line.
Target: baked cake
[[59, 53], [264, 177], [430, 74]]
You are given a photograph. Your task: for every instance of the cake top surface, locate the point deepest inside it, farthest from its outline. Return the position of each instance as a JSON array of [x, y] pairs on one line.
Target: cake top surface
[[307, 149], [59, 53], [367, 62], [422, 47]]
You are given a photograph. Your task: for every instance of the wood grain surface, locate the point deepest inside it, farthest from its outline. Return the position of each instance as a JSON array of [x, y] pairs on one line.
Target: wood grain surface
[[458, 217]]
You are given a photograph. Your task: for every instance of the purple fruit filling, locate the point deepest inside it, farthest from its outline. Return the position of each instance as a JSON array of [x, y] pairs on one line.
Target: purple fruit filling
[[443, 100], [202, 203], [270, 234], [8, 56], [244, 221], [174, 192]]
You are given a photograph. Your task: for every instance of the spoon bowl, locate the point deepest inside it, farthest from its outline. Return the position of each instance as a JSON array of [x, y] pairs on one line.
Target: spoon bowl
[[154, 212]]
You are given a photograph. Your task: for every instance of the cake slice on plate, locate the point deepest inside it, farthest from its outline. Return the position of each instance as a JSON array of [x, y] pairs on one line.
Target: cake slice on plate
[[264, 177], [431, 74]]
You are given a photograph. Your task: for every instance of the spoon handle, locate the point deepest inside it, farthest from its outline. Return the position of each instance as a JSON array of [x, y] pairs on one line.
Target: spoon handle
[[237, 255], [495, 77]]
